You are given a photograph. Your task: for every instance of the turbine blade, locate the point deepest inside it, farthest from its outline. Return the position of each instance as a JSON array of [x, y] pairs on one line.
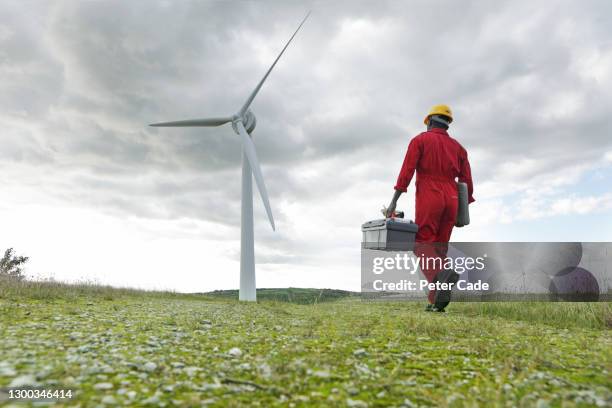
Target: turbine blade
[[249, 149], [194, 122], [254, 93]]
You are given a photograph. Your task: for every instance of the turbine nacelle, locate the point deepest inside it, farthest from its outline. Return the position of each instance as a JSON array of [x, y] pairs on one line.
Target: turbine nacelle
[[248, 121]]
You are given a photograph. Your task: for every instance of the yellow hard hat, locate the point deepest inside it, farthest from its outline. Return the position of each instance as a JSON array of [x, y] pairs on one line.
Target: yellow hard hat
[[439, 110]]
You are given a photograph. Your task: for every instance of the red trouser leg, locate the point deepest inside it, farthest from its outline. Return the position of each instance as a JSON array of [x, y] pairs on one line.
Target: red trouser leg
[[429, 210], [436, 212]]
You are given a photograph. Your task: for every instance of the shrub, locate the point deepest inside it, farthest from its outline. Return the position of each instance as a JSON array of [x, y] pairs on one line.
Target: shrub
[[11, 266]]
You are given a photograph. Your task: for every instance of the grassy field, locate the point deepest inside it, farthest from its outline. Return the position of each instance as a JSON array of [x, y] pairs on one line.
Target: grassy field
[[125, 347]]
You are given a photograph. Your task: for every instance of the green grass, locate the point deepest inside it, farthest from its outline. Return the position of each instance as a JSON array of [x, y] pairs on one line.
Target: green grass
[[340, 353], [556, 314], [52, 290]]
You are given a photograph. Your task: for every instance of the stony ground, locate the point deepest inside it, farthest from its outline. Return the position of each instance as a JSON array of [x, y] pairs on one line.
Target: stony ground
[[183, 352]]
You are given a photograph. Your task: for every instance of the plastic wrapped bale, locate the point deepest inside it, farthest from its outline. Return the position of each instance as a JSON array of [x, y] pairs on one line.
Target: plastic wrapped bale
[[390, 234]]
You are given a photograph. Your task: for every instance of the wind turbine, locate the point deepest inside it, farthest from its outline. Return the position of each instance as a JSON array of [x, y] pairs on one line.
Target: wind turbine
[[243, 122]]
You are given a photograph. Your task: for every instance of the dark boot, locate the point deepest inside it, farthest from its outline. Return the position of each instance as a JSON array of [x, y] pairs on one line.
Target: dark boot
[[433, 308], [443, 297]]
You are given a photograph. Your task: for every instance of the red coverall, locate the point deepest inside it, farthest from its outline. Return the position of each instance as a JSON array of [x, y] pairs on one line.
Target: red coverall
[[438, 160]]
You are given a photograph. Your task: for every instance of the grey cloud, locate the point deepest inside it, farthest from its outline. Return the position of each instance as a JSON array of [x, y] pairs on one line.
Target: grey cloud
[[83, 81]]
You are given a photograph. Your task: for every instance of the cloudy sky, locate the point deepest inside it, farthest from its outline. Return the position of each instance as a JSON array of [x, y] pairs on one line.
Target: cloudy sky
[[89, 192]]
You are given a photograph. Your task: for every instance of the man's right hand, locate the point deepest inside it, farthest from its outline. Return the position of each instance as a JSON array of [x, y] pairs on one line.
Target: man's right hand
[[390, 209]]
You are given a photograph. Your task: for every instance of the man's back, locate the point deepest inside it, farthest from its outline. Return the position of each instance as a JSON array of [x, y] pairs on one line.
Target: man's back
[[436, 157], [441, 156]]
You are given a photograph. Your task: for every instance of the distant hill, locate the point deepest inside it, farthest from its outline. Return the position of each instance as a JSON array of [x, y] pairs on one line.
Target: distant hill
[[292, 295]]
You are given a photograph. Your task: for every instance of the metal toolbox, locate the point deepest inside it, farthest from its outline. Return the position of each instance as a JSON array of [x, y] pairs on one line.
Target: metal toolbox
[[390, 234]]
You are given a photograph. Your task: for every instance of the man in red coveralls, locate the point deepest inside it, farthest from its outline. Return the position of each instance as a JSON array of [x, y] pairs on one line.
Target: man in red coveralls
[[438, 160]]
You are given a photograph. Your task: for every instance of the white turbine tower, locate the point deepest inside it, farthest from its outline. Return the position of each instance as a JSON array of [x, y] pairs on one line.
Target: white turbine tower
[[243, 123]]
